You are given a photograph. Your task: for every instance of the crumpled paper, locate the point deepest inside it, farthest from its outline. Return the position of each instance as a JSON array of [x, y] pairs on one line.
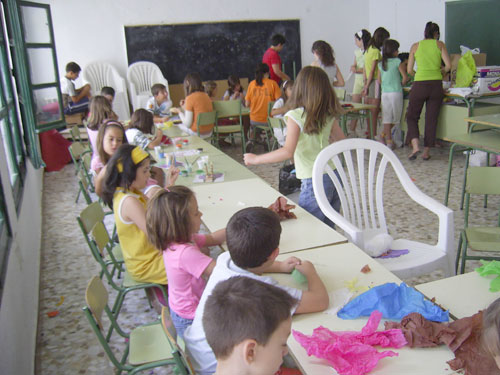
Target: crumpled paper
[[282, 208], [491, 268], [394, 302], [461, 336], [352, 353]]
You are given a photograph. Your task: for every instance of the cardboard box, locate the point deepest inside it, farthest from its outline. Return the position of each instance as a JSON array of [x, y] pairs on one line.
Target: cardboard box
[[486, 85], [488, 71], [479, 58]]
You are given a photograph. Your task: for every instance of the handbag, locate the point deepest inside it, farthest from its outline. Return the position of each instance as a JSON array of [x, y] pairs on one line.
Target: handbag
[[288, 181]]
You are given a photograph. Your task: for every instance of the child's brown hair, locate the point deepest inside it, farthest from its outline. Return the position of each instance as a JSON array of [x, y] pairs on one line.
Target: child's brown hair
[[192, 83], [100, 138], [167, 217], [210, 87], [143, 120], [157, 88], [100, 110]]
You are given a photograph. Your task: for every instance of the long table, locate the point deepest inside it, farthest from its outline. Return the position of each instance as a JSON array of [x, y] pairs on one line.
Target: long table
[[337, 265], [464, 295], [218, 202]]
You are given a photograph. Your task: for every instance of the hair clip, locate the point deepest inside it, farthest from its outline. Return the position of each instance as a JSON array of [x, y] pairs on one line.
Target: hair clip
[[360, 34]]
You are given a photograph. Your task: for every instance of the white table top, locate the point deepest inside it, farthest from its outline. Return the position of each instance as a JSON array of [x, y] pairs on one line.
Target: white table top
[[219, 201], [337, 264], [464, 295]]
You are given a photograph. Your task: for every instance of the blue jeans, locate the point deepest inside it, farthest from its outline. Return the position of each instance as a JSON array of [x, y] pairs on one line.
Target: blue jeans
[[180, 323], [308, 202]]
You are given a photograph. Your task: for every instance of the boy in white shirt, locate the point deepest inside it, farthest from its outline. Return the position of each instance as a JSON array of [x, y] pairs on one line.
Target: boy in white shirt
[[252, 237], [247, 323], [74, 100], [159, 104]]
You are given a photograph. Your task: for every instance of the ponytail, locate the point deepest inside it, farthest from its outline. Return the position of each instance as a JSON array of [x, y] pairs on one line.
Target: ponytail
[[389, 47], [260, 70]]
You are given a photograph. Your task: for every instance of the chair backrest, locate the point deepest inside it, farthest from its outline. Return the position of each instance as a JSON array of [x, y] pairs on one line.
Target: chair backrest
[[75, 133], [227, 108], [361, 165], [270, 106], [182, 361], [276, 122], [141, 76], [83, 183], [76, 150], [481, 180], [89, 216], [205, 118]]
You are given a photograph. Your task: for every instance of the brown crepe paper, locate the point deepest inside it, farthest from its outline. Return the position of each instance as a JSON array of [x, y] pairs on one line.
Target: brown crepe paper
[[282, 208]]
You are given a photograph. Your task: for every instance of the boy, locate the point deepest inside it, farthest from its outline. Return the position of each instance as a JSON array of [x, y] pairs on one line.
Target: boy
[[257, 322], [273, 59], [74, 100], [252, 237], [159, 104], [108, 93]]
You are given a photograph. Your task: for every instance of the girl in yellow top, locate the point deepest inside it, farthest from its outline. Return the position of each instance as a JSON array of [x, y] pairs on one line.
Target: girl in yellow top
[[427, 88], [127, 173], [371, 89]]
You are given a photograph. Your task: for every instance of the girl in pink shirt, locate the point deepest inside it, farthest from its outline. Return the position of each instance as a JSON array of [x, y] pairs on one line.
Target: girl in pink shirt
[[173, 221]]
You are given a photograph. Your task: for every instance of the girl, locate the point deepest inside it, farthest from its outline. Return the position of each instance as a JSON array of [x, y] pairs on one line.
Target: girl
[[490, 336], [197, 101], [280, 108], [309, 127], [110, 136], [211, 89], [100, 110], [325, 59], [260, 92], [427, 88], [391, 70], [361, 39], [371, 88], [127, 174], [173, 221], [141, 125], [234, 91]]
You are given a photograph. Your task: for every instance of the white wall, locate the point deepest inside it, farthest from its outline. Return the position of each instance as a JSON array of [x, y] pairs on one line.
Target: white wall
[[405, 20], [19, 309], [99, 25]]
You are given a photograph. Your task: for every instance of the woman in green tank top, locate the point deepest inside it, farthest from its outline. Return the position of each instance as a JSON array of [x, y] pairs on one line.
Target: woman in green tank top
[[427, 88]]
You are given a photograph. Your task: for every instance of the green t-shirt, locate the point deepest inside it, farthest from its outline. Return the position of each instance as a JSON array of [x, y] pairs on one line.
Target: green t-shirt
[[428, 58], [308, 145], [370, 55], [391, 78]]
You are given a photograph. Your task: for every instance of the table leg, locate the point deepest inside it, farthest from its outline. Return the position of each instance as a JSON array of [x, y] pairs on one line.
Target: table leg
[[371, 126], [343, 123], [450, 161], [465, 179]]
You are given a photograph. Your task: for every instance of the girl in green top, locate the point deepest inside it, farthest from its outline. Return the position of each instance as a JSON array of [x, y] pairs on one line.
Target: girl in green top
[[310, 126], [427, 88]]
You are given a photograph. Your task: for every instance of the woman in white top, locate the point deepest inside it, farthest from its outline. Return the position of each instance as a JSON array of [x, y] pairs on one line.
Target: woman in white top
[[324, 58]]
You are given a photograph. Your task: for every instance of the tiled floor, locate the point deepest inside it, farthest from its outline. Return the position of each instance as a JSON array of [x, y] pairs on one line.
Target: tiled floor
[[66, 344]]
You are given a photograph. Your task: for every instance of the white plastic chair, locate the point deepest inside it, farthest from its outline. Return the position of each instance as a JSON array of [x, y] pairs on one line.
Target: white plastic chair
[[141, 76], [361, 164], [100, 74]]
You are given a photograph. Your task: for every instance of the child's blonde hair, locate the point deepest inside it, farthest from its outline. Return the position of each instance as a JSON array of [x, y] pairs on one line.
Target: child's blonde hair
[[210, 87], [167, 217], [490, 336], [100, 110], [313, 91]]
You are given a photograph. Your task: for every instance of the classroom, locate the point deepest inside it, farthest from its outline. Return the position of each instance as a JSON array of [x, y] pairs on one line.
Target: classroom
[[41, 210]]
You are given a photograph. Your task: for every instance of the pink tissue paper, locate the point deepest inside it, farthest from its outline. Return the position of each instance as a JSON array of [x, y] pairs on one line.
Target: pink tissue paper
[[352, 353]]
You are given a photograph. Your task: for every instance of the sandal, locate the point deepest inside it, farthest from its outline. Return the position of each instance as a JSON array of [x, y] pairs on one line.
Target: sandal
[[413, 155], [426, 157]]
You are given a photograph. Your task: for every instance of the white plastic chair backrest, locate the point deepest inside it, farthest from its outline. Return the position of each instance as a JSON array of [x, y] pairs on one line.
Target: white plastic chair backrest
[[141, 76], [361, 165]]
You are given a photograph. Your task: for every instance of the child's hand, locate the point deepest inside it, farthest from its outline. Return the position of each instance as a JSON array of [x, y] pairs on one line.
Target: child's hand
[[288, 265], [159, 133], [353, 68], [306, 268], [250, 159], [182, 103], [172, 174], [174, 110]]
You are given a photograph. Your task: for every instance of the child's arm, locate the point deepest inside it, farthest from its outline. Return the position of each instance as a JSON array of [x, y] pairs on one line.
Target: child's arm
[[157, 140], [99, 181], [354, 66], [370, 77], [286, 266], [379, 77], [81, 93], [411, 60], [208, 271], [133, 210], [279, 111], [336, 134], [215, 238], [340, 78], [404, 74], [284, 153], [315, 298]]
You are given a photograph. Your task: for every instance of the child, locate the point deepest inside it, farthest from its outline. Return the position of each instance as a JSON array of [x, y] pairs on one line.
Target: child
[[252, 236], [197, 101], [390, 72], [404, 56], [490, 336], [74, 100], [110, 136], [371, 88], [173, 221], [257, 322], [127, 174], [141, 126], [361, 39], [100, 110], [325, 59], [234, 91], [108, 93], [260, 92], [309, 128], [159, 104], [211, 89], [279, 109]]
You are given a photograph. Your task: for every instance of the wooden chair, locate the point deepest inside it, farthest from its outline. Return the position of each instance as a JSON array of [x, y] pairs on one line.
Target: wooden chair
[[480, 181], [207, 118], [279, 124], [146, 346], [229, 109]]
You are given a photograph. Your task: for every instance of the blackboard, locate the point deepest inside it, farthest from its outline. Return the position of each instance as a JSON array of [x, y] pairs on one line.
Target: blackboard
[[474, 23], [215, 50]]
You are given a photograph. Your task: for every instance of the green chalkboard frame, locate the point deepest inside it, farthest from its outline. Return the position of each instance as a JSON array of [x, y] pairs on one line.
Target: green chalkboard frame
[[474, 23]]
